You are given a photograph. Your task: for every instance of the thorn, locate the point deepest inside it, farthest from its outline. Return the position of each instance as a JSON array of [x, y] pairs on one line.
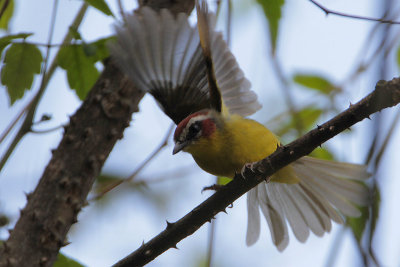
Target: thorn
[[102, 157], [112, 133], [224, 211], [43, 261], [64, 182], [174, 246], [65, 243], [75, 219], [69, 139], [350, 105], [28, 196], [97, 98], [169, 225], [319, 127], [72, 120]]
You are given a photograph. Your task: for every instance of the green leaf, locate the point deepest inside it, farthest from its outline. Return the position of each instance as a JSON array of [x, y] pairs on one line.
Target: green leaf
[[21, 63], [100, 5], [81, 71], [358, 224], [315, 82], [98, 50], [272, 10], [64, 261], [8, 13], [74, 33], [4, 220], [398, 57], [322, 153], [6, 40], [308, 117]]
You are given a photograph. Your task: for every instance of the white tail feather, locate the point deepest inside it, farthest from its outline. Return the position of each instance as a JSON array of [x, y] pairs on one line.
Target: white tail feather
[[311, 204]]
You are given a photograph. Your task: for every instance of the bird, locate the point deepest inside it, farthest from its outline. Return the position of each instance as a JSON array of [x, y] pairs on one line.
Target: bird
[[197, 82]]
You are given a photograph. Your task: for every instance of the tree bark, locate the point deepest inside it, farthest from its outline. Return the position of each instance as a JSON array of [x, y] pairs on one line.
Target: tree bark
[[63, 188]]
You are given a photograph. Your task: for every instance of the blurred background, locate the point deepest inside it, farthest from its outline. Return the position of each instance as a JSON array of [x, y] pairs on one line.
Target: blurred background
[[311, 69]]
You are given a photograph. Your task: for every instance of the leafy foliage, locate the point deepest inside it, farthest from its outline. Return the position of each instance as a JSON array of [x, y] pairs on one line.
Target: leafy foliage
[[358, 224], [21, 62], [64, 261], [316, 82], [8, 7], [79, 61], [100, 5], [6, 40], [81, 71], [272, 11], [308, 117]]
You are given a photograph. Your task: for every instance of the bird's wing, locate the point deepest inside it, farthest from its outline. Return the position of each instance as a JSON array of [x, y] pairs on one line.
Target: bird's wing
[[325, 188], [162, 55]]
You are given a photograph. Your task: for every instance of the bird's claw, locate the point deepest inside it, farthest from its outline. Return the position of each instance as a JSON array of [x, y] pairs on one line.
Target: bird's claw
[[248, 166], [214, 187]]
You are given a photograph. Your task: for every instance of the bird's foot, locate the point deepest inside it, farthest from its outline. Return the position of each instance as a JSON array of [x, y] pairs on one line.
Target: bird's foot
[[248, 167], [214, 187]]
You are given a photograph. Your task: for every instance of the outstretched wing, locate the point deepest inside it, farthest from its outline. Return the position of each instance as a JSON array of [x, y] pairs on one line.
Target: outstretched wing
[[162, 55]]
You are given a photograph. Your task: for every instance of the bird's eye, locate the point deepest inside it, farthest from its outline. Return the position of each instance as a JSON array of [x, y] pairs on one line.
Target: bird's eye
[[194, 129]]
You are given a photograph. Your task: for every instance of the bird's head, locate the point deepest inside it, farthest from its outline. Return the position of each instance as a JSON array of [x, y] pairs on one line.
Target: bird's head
[[195, 128]]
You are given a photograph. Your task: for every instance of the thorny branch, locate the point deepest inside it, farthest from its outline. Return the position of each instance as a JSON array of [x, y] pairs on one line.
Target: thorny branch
[[386, 94], [341, 14]]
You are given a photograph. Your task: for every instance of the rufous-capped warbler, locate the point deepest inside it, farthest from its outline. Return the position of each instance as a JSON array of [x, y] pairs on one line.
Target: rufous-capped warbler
[[199, 85]]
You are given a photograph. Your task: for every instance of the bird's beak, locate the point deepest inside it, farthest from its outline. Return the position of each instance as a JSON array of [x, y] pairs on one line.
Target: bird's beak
[[178, 147]]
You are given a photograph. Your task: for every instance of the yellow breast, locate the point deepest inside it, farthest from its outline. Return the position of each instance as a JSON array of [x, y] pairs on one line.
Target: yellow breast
[[239, 141]]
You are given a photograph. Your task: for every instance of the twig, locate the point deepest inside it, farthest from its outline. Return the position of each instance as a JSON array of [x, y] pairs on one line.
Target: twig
[[229, 24], [335, 247], [385, 95], [211, 242], [46, 130], [27, 123], [328, 11], [163, 144]]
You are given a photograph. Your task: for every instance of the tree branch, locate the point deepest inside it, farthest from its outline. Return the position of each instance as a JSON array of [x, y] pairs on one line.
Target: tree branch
[[340, 14], [386, 94], [63, 188]]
